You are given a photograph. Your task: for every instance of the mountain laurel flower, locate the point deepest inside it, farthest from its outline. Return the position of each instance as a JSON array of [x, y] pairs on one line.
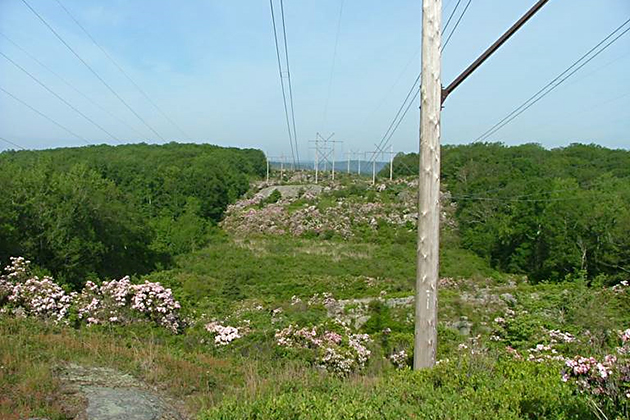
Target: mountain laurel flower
[[116, 301], [336, 352], [399, 359], [224, 335]]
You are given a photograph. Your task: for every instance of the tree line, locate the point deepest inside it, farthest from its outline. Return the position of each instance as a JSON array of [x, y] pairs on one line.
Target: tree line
[[105, 211], [552, 214]]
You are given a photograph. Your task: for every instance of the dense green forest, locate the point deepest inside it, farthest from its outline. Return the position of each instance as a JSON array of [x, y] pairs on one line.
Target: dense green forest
[[550, 214], [104, 211]]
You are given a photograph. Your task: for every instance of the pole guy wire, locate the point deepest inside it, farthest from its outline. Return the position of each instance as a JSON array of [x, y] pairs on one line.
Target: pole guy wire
[[123, 72], [44, 116], [72, 50], [56, 95], [557, 81]]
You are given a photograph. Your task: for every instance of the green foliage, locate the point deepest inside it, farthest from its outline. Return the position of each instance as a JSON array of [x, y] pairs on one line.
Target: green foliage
[[473, 388], [545, 213], [105, 211], [273, 198]]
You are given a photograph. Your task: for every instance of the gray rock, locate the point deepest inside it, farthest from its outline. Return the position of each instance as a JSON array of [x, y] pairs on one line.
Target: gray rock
[[112, 395], [122, 404], [360, 321], [508, 298], [290, 191], [463, 326]]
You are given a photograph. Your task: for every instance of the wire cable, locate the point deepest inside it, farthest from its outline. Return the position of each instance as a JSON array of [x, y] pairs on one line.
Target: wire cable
[[557, 81], [332, 67], [286, 53], [448, 21], [284, 95], [456, 25], [71, 86], [397, 121], [68, 104], [44, 116], [11, 143], [92, 70], [124, 73], [391, 89]]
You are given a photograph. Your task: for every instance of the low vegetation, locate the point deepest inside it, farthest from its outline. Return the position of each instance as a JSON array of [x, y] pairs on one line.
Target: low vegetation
[[301, 307]]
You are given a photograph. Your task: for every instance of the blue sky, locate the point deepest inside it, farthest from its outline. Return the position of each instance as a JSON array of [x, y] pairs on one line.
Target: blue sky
[[211, 66]]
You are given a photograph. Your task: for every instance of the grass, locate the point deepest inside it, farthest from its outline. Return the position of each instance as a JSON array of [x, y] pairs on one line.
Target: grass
[[252, 379], [275, 268], [31, 352]]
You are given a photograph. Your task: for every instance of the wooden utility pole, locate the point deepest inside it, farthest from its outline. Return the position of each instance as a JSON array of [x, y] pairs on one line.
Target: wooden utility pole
[[316, 163], [391, 163], [348, 155], [373, 165], [432, 96], [282, 167], [267, 159], [374, 170], [428, 188], [333, 160]]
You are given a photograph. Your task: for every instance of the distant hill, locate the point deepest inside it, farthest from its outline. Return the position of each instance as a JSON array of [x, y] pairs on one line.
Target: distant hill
[[342, 166]]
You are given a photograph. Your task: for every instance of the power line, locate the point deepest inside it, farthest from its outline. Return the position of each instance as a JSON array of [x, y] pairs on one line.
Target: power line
[[92, 70], [124, 73], [513, 198], [284, 95], [448, 21], [44, 115], [534, 200], [11, 143], [286, 53], [414, 56], [415, 87], [557, 81], [456, 25], [389, 131], [404, 70], [71, 86], [59, 97], [332, 67]]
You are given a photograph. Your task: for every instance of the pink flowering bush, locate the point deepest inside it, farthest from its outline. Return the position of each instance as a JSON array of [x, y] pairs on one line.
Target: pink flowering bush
[[114, 302], [41, 298], [606, 381], [399, 359], [339, 353], [120, 302], [223, 335], [307, 216], [31, 296]]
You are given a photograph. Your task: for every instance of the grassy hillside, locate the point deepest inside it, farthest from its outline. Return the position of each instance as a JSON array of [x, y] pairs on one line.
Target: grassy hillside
[[298, 304], [318, 323]]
